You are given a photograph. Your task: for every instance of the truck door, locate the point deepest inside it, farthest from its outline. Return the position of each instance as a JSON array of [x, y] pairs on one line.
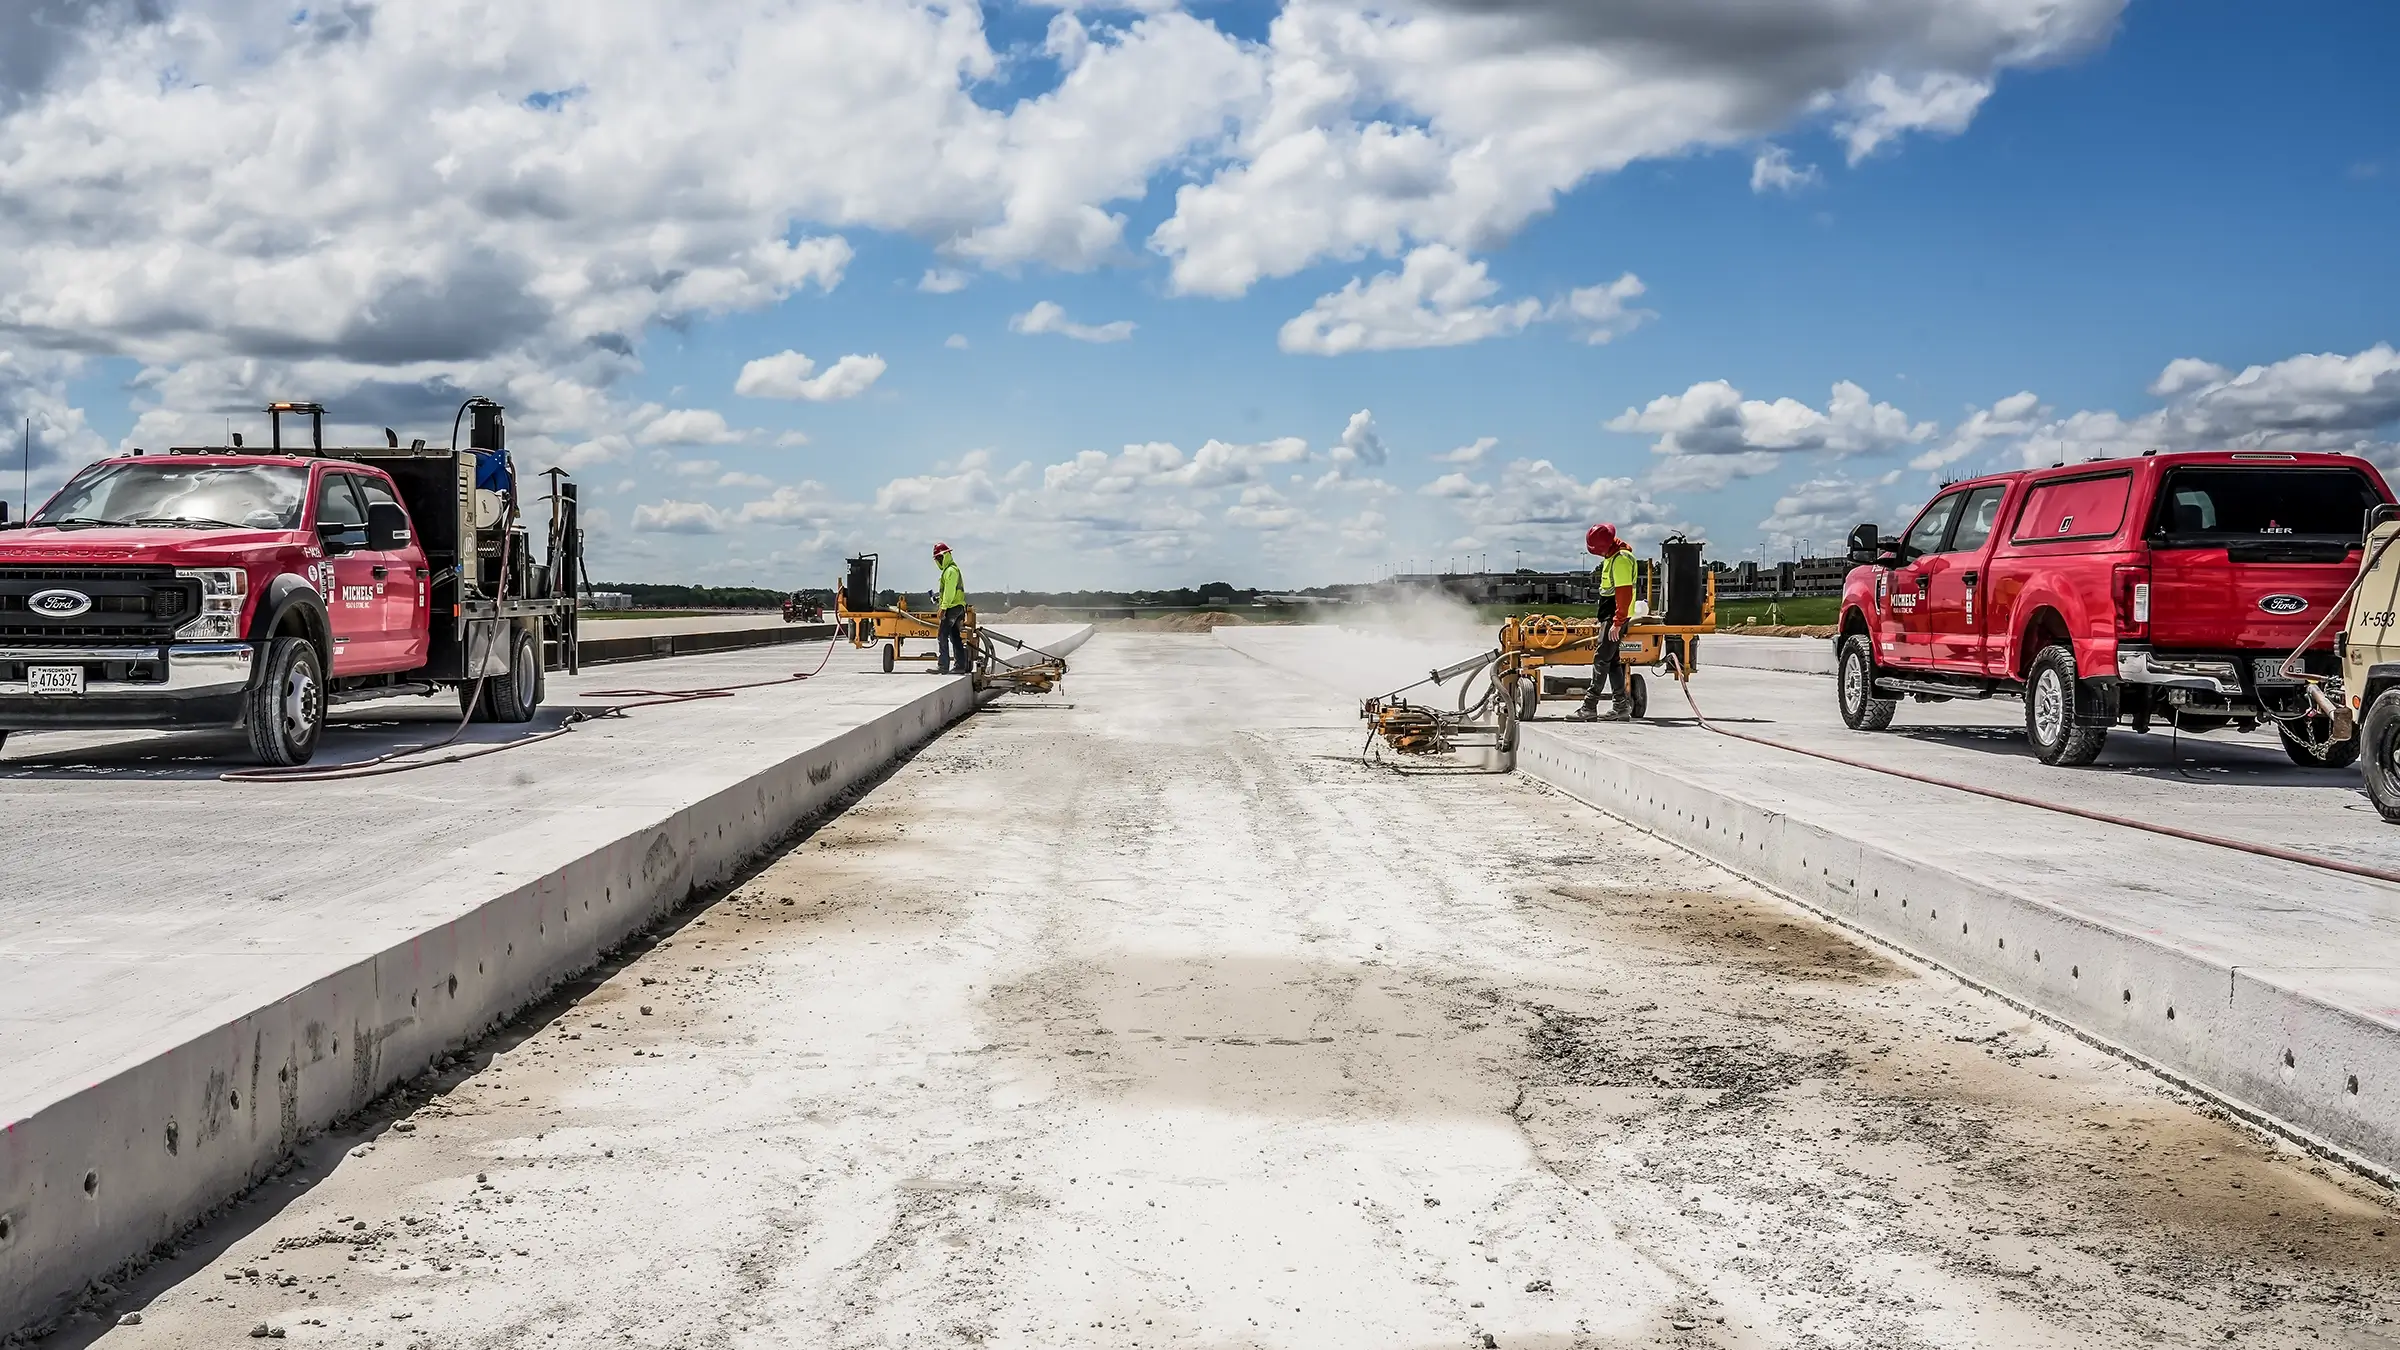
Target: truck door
[[1954, 610], [401, 572], [1907, 641], [354, 602]]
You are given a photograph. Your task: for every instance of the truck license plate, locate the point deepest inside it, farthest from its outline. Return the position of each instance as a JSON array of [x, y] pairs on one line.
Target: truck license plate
[[2267, 673], [66, 680]]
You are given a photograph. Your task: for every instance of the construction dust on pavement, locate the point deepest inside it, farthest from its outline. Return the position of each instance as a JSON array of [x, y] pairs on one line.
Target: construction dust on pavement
[[1162, 1020]]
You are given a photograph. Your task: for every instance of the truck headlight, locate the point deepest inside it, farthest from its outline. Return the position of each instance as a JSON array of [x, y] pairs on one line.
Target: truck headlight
[[222, 591]]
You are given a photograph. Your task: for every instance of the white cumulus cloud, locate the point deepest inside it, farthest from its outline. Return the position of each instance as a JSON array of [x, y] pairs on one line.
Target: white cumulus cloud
[[1049, 317], [679, 517], [790, 375]]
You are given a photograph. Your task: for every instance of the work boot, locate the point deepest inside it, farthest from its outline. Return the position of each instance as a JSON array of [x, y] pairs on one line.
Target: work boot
[[1619, 711], [1589, 712]]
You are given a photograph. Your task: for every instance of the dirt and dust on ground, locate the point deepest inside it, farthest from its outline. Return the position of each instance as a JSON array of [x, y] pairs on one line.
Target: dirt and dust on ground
[[1162, 1020], [1182, 621]]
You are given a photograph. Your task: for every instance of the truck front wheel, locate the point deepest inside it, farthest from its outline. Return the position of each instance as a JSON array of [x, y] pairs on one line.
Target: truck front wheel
[[2050, 698], [1854, 685], [284, 711]]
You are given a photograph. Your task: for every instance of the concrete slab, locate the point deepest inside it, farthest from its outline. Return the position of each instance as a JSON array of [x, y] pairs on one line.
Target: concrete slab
[[195, 974], [2273, 985], [1792, 655]]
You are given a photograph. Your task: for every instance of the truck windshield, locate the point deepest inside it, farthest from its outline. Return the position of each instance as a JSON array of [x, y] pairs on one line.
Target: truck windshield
[[2213, 505], [196, 496]]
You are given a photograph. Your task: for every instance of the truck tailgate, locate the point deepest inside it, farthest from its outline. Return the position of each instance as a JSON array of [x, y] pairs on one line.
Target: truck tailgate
[[2202, 599]]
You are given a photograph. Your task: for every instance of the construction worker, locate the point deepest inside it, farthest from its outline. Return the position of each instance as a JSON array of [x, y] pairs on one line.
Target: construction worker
[[1618, 575], [953, 604]]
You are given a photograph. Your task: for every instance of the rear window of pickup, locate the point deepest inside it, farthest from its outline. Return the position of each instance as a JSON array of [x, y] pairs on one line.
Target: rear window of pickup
[[2089, 507], [2204, 506]]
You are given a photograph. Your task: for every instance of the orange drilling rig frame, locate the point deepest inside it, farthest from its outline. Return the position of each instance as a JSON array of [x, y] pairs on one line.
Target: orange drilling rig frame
[[1676, 607], [867, 621]]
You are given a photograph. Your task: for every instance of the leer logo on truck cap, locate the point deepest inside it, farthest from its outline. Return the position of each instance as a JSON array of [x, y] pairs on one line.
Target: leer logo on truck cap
[[2283, 604], [58, 604]]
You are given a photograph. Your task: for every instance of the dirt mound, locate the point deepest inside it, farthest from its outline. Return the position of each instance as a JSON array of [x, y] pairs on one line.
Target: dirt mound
[[1199, 622], [1798, 630], [1031, 614]]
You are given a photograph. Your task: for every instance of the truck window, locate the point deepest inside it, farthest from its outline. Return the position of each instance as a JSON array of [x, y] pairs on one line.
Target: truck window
[[2215, 505], [202, 496], [337, 503], [1933, 527], [376, 493], [2090, 507], [1976, 518]]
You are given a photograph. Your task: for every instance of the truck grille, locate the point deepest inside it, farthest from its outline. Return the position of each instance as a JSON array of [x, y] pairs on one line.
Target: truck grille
[[125, 604]]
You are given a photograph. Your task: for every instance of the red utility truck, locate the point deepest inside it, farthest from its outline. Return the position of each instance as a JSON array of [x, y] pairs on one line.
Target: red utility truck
[[2169, 586], [223, 587]]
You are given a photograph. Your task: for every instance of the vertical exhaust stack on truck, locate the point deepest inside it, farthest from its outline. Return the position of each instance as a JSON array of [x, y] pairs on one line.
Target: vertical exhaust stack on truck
[[224, 587]]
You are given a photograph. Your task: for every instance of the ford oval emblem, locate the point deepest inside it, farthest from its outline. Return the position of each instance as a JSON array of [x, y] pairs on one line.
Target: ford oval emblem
[[58, 604], [2283, 604]]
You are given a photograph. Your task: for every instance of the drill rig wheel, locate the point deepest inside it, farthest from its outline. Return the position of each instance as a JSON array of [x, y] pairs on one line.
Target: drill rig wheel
[[1637, 696], [891, 655], [1529, 696]]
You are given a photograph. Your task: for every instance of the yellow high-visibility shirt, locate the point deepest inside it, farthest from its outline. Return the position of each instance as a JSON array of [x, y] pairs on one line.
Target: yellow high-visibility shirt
[[954, 589], [1617, 570]]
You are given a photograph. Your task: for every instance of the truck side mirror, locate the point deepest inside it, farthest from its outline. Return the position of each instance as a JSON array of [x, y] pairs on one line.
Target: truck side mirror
[[387, 527], [1866, 545]]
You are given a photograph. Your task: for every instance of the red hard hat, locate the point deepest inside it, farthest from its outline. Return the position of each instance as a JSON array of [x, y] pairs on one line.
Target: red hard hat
[[1600, 539], [941, 548]]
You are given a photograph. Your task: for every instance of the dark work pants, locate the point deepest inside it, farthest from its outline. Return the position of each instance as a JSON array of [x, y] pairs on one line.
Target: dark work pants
[[953, 659], [1608, 668]]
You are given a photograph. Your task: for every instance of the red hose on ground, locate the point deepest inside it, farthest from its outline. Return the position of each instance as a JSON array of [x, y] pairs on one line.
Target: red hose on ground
[[401, 761], [2103, 817]]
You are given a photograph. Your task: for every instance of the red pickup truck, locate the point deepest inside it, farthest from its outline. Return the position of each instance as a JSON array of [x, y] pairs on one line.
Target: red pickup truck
[[218, 587], [2168, 586]]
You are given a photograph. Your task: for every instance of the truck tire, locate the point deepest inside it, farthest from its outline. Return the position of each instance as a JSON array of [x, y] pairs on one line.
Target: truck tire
[[1854, 686], [2315, 754], [284, 711], [2379, 738], [2050, 698], [517, 694]]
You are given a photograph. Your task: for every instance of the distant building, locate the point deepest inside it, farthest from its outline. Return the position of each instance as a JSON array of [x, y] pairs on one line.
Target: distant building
[[607, 600]]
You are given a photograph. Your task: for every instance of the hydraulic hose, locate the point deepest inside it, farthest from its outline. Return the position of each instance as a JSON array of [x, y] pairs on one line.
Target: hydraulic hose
[[405, 761], [2015, 799]]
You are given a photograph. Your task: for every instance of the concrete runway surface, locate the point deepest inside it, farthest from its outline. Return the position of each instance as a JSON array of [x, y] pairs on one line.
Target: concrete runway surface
[[1164, 1021]]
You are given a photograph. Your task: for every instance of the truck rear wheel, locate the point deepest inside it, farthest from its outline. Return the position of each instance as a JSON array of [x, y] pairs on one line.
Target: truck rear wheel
[[2324, 754], [284, 712], [2050, 701], [2379, 739], [516, 695], [1854, 685]]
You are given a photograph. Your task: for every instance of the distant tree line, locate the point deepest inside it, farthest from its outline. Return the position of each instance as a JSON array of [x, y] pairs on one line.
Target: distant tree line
[[695, 597]]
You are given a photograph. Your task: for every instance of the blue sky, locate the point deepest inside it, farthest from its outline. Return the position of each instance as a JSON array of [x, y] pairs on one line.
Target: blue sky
[[1995, 276]]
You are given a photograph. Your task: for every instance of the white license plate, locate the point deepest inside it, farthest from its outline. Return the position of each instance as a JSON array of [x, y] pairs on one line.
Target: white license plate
[[67, 680]]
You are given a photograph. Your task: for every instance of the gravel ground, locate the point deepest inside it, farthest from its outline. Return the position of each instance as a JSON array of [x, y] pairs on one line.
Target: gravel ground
[[1163, 1021]]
